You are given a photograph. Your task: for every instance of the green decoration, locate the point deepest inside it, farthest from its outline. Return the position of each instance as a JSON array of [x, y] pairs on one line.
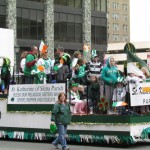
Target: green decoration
[[55, 68], [53, 128], [145, 133], [103, 104], [130, 50]]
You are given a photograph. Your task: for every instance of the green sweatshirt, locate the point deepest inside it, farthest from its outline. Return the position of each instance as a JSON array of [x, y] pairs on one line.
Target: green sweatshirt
[[30, 64], [61, 114]]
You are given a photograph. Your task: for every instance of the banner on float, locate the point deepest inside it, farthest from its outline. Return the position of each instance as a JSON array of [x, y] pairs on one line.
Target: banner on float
[[140, 94], [148, 60], [35, 93]]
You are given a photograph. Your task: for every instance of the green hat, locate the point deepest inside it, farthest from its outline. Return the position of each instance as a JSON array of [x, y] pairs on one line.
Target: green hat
[[94, 54]]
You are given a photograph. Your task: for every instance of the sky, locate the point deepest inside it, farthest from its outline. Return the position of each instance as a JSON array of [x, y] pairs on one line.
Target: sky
[[139, 20]]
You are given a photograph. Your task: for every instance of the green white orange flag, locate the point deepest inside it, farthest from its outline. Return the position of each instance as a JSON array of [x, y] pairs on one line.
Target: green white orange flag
[[43, 47], [116, 104]]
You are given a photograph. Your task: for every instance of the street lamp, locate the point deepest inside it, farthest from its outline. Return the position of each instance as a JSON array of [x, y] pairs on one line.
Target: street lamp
[[17, 49]]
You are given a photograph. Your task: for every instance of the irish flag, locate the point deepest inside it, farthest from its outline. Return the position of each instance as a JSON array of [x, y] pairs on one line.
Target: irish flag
[[43, 47], [116, 104]]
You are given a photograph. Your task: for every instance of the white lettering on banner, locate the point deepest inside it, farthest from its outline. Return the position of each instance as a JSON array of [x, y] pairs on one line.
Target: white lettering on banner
[[35, 93], [140, 94]]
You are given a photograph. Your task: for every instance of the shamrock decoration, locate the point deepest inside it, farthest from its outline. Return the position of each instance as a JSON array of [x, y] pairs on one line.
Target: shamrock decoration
[[103, 104], [12, 99]]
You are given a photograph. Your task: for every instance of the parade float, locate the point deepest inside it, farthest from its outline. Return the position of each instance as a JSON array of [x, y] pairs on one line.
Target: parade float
[[26, 112]]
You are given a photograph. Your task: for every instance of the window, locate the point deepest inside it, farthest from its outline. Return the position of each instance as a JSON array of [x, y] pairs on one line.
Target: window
[[115, 5], [108, 15], [98, 5], [125, 27], [2, 21], [108, 26], [125, 38], [42, 1], [115, 16], [63, 31], [108, 37], [115, 26], [103, 5], [125, 17], [78, 32], [116, 37], [125, 7], [70, 3], [30, 24], [108, 4], [70, 32]]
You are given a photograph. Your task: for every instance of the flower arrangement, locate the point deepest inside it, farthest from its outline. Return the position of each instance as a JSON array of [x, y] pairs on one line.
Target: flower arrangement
[[103, 104]]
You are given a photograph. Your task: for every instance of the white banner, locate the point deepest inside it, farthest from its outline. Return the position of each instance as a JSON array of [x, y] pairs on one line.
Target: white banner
[[35, 93], [140, 94]]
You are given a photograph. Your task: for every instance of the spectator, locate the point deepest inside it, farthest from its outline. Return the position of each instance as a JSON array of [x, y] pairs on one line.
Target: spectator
[[109, 75], [80, 71], [30, 65], [75, 100], [22, 66], [5, 75], [93, 94], [94, 65], [77, 55], [61, 116]]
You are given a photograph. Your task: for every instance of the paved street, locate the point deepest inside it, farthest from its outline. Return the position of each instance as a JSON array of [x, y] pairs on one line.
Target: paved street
[[6, 145]]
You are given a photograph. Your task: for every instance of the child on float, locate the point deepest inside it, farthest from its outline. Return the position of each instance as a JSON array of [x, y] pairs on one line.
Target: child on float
[[80, 71], [119, 94], [79, 105], [146, 73], [133, 78], [93, 94], [77, 55]]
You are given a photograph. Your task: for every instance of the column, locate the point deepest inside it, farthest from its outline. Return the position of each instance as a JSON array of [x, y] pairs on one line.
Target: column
[[11, 23], [87, 29], [49, 26]]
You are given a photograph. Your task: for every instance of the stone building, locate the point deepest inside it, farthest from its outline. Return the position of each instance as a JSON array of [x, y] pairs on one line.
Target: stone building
[[118, 21]]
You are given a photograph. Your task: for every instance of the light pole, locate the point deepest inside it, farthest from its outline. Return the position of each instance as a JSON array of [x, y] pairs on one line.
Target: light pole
[[17, 49]]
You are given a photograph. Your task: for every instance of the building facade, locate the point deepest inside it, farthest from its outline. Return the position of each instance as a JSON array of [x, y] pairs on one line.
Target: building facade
[[118, 14], [69, 23]]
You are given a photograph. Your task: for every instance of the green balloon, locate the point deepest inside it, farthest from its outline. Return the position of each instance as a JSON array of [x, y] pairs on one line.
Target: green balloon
[[53, 128]]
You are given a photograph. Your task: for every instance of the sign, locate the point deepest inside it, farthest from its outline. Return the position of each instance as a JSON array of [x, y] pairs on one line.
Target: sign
[[140, 94], [7, 45], [35, 93]]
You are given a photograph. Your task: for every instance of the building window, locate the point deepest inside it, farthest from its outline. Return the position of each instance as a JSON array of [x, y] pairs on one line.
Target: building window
[[42, 1], [115, 26], [68, 28], [115, 5], [70, 3], [125, 17], [108, 37], [125, 38], [98, 5], [115, 37], [99, 31], [115, 16], [125, 7], [30, 24], [2, 21], [108, 26], [108, 4], [125, 27]]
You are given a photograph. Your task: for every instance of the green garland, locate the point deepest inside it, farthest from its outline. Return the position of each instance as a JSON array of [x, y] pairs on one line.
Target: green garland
[[114, 124], [145, 133], [76, 138], [30, 112]]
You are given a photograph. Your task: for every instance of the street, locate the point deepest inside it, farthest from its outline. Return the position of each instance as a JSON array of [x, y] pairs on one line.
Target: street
[[7, 145]]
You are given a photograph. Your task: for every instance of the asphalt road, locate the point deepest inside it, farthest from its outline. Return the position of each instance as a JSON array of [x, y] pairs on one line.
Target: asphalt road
[[7, 145]]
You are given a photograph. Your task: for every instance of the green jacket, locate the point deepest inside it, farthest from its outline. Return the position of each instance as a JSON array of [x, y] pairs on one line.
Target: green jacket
[[61, 114], [109, 73], [81, 71], [30, 64]]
